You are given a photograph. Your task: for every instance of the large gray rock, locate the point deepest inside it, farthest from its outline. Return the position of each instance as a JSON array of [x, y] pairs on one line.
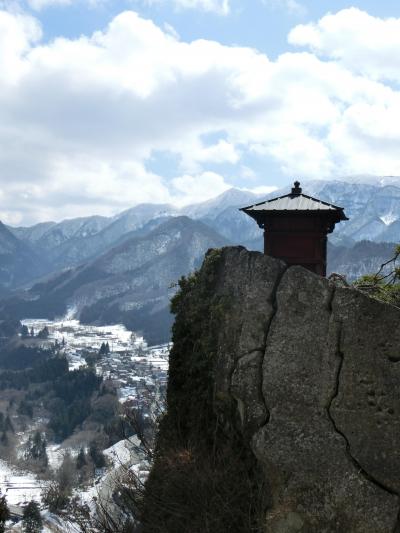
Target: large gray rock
[[314, 371], [290, 380], [247, 278]]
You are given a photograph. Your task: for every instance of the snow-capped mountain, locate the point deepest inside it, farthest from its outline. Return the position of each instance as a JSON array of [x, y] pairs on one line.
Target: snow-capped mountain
[[131, 283], [50, 235], [71, 242], [372, 205], [373, 208]]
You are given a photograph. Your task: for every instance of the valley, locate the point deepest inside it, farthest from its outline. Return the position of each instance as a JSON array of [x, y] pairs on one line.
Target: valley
[[137, 371], [132, 372]]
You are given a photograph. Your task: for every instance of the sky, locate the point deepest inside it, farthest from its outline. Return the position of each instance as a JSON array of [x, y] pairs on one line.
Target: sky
[[105, 104]]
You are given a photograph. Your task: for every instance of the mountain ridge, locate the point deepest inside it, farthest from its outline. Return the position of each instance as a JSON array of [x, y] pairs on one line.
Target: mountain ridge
[[18, 260], [372, 211], [131, 279], [115, 269]]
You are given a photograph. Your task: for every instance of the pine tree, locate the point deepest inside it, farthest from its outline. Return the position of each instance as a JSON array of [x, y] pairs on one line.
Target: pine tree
[[4, 439], [66, 475], [8, 425], [36, 448], [4, 513], [31, 518], [24, 331], [44, 333], [97, 455], [81, 459], [25, 408]]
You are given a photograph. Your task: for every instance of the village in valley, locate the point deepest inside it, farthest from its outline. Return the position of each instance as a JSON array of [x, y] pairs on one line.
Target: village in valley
[[127, 365], [138, 371]]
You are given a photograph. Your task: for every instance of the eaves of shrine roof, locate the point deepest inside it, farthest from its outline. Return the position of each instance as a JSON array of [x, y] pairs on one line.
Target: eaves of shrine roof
[[295, 202]]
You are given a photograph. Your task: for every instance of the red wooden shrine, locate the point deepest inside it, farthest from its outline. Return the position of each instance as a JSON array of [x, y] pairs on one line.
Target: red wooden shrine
[[296, 228]]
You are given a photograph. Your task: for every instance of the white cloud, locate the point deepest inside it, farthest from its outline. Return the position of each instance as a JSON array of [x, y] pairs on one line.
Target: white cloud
[[217, 6], [363, 43], [81, 120], [191, 189], [220, 7], [197, 155], [38, 5], [17, 33], [293, 7]]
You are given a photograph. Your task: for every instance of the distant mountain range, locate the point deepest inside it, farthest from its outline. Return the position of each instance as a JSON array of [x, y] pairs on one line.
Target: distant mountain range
[[70, 242], [124, 268], [373, 209], [130, 283]]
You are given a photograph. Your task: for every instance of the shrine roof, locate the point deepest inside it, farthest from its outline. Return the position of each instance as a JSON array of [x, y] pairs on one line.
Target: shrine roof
[[294, 201]]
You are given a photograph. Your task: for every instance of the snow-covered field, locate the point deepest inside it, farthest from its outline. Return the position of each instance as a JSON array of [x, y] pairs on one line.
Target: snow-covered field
[[21, 487], [78, 337], [18, 486]]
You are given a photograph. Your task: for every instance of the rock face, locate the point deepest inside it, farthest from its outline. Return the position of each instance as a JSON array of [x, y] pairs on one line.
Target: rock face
[[308, 374], [321, 447]]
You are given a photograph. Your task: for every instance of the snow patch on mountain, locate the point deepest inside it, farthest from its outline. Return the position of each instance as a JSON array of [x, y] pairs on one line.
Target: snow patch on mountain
[[389, 218]]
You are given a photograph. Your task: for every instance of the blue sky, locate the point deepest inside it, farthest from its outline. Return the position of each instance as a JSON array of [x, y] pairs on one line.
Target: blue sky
[[108, 104], [256, 23]]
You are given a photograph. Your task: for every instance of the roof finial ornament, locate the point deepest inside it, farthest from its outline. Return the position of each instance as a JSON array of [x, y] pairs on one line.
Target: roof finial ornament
[[296, 189]]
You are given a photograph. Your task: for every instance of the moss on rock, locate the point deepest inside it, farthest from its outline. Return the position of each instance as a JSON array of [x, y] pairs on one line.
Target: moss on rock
[[204, 477]]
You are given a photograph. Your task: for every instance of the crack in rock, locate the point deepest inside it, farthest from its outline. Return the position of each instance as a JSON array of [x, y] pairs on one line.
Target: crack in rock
[[261, 350], [339, 355], [274, 303]]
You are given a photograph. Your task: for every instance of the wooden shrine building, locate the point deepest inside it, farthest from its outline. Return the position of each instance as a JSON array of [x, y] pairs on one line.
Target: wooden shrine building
[[296, 228]]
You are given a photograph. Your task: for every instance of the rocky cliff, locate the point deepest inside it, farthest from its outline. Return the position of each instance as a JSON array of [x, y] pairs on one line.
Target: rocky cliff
[[283, 405]]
